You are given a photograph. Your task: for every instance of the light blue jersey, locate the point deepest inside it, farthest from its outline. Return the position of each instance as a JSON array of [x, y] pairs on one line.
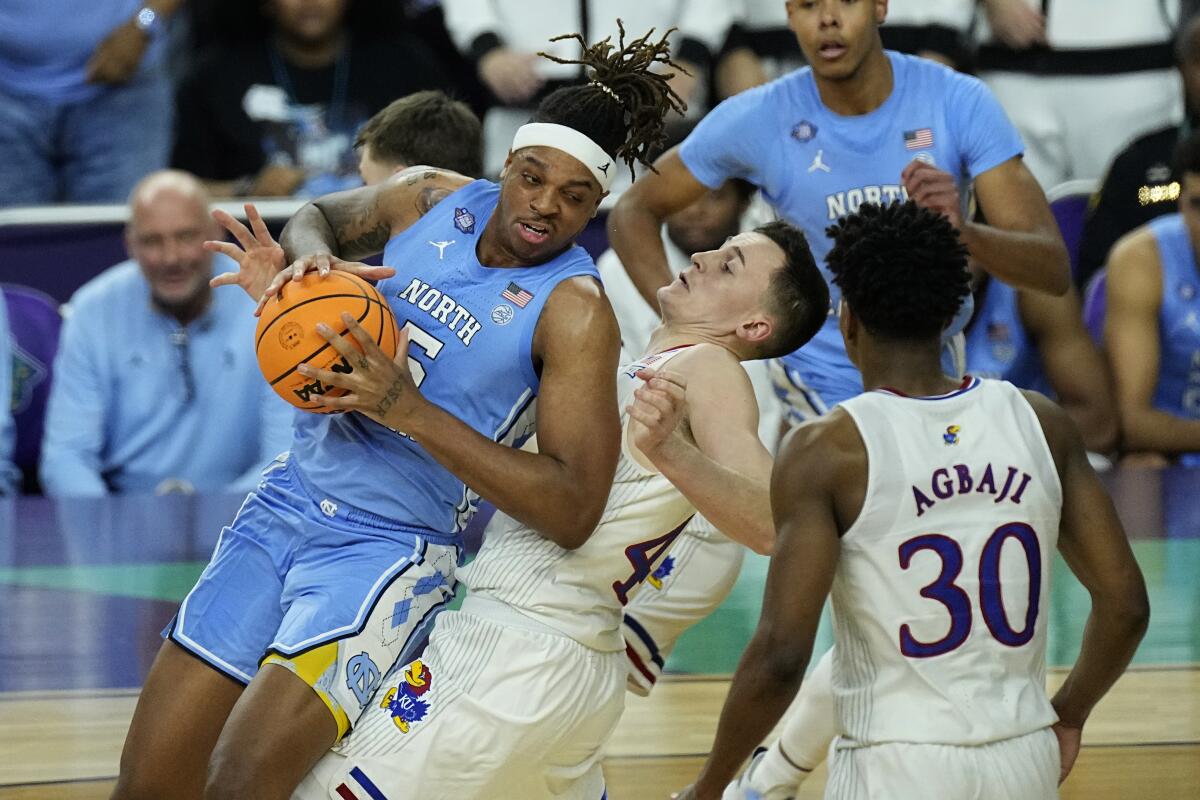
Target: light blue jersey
[[815, 166], [471, 330], [1178, 389], [997, 343]]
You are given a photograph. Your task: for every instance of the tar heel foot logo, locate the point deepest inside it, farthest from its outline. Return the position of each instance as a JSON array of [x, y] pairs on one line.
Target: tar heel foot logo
[[804, 131], [402, 701], [464, 220], [819, 163], [503, 314], [441, 248]]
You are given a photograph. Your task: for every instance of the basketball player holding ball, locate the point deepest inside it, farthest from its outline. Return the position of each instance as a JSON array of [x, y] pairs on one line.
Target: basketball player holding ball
[[350, 543]]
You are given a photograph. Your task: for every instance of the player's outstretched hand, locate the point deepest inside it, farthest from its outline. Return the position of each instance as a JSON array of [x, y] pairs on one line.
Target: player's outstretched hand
[[1068, 748], [321, 263], [934, 189], [259, 258], [380, 387], [659, 405]]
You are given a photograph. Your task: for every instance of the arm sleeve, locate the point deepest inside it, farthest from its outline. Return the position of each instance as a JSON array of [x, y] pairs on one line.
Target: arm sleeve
[[987, 138], [74, 429], [468, 20], [725, 145]]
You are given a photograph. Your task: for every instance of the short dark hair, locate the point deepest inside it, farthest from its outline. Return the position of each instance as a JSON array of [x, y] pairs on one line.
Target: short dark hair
[[1187, 155], [428, 129], [623, 104], [902, 269], [798, 297]]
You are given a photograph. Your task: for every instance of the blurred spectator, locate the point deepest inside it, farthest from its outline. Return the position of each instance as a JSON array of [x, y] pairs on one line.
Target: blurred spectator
[[1038, 341], [426, 128], [156, 386], [9, 474], [1140, 185], [1152, 324], [277, 115], [503, 37], [1080, 78], [85, 101], [761, 47]]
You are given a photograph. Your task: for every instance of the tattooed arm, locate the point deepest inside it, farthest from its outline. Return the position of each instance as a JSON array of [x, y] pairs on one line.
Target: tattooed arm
[[358, 223]]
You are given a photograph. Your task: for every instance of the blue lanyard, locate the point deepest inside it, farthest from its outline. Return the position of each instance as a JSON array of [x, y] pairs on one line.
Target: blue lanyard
[[341, 83]]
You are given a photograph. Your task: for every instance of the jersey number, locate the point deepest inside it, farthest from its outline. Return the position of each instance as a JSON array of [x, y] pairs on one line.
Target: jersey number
[[991, 600], [423, 340], [426, 341], [642, 556]]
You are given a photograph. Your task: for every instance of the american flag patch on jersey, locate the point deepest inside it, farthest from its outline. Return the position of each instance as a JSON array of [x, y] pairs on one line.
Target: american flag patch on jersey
[[360, 788], [518, 296], [918, 139]]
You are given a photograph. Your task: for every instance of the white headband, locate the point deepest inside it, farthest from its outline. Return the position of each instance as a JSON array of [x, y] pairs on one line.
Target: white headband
[[571, 142]]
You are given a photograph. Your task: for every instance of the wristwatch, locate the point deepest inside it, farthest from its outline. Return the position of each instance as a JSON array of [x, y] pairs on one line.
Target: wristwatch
[[148, 21]]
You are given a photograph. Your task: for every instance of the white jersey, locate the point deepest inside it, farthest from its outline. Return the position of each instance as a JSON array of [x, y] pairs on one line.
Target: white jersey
[[943, 582], [581, 592]]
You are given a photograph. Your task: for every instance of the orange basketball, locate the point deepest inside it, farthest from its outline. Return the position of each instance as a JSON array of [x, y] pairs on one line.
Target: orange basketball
[[287, 333]]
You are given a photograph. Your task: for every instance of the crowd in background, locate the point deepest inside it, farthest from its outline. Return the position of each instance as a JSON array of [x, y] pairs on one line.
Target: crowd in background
[[273, 99]]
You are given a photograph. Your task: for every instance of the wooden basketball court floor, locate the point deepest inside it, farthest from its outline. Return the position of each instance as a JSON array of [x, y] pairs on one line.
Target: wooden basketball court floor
[[86, 586]]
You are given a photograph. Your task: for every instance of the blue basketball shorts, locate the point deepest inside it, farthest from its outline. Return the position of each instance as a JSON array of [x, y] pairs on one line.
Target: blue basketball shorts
[[336, 595]]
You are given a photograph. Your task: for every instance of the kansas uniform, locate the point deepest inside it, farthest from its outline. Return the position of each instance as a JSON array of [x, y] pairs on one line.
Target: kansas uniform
[[350, 543], [997, 343], [939, 672], [815, 166], [518, 691]]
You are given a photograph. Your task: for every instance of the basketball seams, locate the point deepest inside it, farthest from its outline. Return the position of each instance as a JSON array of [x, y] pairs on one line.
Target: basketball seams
[[322, 348], [283, 365]]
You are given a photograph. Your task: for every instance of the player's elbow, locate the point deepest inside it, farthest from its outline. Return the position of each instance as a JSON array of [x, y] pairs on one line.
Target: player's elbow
[[784, 660], [763, 541]]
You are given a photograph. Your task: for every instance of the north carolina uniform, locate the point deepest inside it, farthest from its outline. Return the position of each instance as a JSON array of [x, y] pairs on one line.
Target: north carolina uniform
[[1178, 389], [938, 601], [350, 544], [815, 166], [518, 691], [998, 345]]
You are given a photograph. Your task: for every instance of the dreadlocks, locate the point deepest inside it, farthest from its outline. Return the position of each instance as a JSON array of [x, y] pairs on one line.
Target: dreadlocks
[[623, 104]]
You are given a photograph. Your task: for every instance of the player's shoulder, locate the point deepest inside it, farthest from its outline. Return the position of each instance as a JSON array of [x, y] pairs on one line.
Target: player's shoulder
[[1136, 251], [826, 445], [1059, 430]]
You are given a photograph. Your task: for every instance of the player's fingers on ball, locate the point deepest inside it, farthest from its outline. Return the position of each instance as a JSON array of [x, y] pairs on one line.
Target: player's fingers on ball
[[337, 341], [360, 334], [347, 402], [322, 262], [322, 375]]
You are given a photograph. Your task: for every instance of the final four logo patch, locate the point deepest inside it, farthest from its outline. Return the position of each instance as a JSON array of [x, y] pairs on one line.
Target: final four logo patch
[[804, 131], [464, 220]]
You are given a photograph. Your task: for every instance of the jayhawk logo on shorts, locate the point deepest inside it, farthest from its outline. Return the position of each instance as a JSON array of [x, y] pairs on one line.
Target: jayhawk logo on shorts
[[402, 701], [951, 435], [659, 575]]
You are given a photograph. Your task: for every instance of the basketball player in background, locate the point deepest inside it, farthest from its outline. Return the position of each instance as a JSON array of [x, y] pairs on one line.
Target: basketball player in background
[[424, 128], [350, 543], [519, 690], [940, 665], [860, 124]]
